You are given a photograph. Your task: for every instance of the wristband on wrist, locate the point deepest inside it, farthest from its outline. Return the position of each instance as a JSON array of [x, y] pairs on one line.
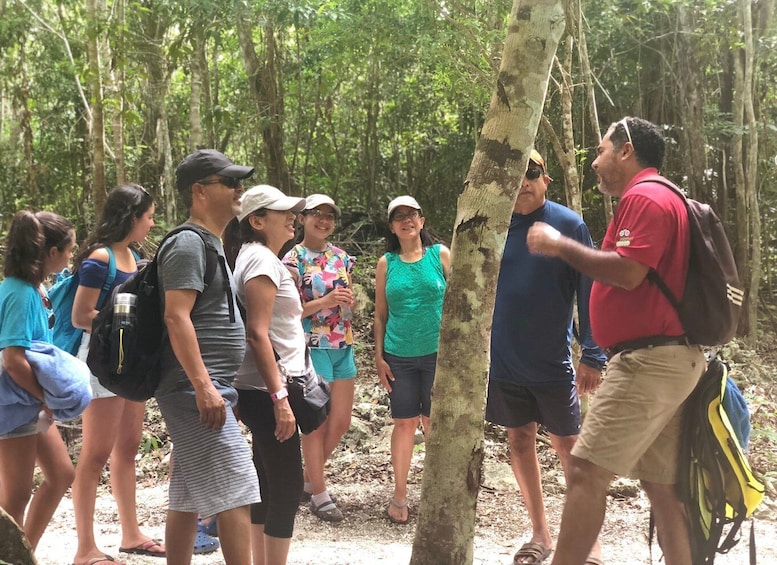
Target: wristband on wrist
[[276, 396]]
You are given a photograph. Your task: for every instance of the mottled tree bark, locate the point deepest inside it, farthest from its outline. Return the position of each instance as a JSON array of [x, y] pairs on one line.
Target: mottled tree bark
[[446, 525], [14, 546], [97, 126]]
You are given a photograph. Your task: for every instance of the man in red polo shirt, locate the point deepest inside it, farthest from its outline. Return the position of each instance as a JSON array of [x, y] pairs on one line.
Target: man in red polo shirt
[[634, 425]]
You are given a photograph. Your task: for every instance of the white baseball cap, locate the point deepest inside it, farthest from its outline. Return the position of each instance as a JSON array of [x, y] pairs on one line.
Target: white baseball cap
[[402, 201], [269, 197], [316, 200]]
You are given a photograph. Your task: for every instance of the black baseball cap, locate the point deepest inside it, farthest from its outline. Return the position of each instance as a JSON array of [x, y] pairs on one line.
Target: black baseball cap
[[204, 162]]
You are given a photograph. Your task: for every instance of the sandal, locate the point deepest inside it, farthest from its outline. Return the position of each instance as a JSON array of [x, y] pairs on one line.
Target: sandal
[[531, 554], [398, 506], [328, 511], [150, 548], [594, 561], [203, 543]]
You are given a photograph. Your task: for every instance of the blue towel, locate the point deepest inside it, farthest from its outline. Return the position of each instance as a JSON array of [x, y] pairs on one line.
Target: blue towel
[[738, 414], [65, 383]]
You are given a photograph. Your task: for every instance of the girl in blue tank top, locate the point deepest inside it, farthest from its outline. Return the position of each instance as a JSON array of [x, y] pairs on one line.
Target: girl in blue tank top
[[410, 284]]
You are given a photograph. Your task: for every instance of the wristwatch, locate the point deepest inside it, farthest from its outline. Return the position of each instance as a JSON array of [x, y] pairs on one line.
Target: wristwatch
[[276, 396]]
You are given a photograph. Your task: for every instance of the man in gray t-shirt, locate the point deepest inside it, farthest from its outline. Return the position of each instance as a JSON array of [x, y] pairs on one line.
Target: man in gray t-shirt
[[212, 472]]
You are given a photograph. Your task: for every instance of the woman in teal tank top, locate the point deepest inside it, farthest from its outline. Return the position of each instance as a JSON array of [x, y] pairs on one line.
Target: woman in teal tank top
[[410, 284]]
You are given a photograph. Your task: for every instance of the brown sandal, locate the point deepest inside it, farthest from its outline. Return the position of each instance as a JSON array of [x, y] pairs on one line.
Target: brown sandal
[[398, 506], [531, 553]]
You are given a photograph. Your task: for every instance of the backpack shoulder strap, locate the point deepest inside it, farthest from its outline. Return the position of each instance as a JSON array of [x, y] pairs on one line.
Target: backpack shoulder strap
[[213, 259], [108, 279], [653, 275]]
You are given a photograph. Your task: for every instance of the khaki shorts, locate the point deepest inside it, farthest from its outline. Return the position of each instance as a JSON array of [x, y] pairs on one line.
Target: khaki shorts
[[634, 424]]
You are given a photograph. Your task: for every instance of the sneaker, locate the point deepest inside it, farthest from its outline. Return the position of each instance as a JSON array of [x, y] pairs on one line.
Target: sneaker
[[328, 511]]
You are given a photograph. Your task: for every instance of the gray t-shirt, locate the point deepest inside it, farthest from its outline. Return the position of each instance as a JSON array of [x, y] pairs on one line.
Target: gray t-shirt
[[222, 343]]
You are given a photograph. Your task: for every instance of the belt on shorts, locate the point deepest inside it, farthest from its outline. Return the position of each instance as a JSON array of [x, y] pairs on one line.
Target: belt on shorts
[[645, 343]]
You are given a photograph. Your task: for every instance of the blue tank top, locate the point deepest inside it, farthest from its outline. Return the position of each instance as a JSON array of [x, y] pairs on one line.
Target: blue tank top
[[414, 294]]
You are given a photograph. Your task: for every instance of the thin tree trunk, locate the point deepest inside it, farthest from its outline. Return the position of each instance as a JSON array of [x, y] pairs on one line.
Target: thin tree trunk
[[117, 93], [265, 86], [446, 523], [751, 170], [97, 126], [195, 95]]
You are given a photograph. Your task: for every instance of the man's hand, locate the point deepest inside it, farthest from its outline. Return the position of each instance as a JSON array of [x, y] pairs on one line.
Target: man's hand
[[212, 408], [588, 379], [543, 239]]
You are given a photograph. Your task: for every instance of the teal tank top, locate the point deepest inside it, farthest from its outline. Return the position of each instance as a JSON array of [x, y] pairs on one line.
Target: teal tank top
[[414, 294]]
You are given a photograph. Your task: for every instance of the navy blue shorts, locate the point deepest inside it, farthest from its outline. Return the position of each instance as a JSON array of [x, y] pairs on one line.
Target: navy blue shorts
[[556, 407], [411, 390]]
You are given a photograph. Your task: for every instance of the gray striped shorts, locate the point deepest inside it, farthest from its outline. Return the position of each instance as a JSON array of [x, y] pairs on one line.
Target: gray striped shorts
[[212, 471]]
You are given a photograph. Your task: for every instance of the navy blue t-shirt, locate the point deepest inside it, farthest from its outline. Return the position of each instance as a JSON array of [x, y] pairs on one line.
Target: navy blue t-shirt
[[532, 325]]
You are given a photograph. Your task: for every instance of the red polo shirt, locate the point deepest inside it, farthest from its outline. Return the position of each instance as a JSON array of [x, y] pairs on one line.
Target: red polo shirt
[[650, 226]]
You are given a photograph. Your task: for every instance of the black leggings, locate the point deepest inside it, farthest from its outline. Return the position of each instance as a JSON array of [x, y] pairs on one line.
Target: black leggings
[[278, 464]]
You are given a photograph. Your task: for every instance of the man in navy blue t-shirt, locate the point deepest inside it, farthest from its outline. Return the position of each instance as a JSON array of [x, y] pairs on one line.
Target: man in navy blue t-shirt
[[532, 379]]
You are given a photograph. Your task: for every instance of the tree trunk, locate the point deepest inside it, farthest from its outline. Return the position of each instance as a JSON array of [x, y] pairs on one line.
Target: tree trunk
[[691, 106], [265, 86], [195, 95], [751, 170], [117, 93], [446, 524], [97, 127], [14, 546]]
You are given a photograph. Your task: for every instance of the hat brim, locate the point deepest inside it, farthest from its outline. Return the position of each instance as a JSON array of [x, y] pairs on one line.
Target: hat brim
[[236, 171], [287, 203]]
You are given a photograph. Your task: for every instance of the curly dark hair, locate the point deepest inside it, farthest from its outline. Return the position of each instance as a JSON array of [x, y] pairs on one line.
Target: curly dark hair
[[646, 137], [237, 233], [125, 203], [29, 240]]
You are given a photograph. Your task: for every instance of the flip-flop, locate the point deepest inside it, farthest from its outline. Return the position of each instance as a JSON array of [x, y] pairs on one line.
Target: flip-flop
[[145, 548], [398, 506], [594, 561], [536, 552], [103, 559]]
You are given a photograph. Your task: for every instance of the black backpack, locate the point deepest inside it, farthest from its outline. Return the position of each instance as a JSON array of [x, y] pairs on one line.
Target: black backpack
[[712, 298], [126, 360]]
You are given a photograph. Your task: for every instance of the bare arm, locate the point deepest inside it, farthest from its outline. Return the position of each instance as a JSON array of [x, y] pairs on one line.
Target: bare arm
[[260, 295], [183, 339], [19, 369], [379, 325], [85, 302], [445, 259], [607, 267]]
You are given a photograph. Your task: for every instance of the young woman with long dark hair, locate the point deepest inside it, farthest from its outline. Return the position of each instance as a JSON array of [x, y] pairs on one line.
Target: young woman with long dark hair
[[112, 426], [37, 245]]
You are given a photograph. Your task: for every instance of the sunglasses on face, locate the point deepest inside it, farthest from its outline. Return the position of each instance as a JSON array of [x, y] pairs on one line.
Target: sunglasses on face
[[319, 215], [533, 173], [400, 217], [229, 182], [47, 305]]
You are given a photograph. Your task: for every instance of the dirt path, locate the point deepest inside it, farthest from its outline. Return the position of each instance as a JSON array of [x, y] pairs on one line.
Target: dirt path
[[366, 537]]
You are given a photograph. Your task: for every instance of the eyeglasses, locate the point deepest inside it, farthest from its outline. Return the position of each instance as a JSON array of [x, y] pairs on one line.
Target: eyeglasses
[[400, 217], [533, 173], [48, 306], [319, 215], [229, 182], [624, 122]]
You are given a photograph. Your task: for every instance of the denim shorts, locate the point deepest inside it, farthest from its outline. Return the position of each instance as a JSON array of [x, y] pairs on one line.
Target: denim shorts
[[28, 429], [556, 407], [411, 390], [334, 364]]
